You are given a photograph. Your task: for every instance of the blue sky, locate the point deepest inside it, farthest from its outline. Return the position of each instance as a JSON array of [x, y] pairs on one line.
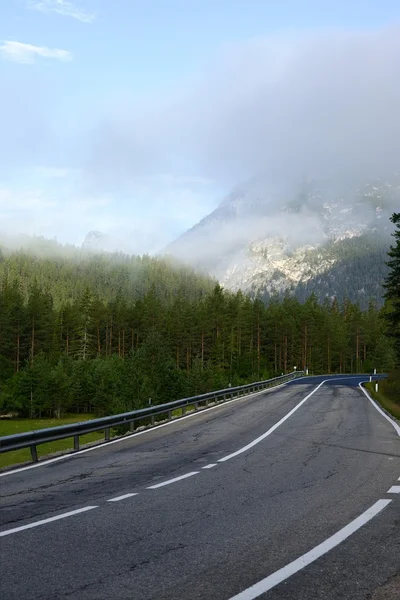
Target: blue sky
[[136, 117]]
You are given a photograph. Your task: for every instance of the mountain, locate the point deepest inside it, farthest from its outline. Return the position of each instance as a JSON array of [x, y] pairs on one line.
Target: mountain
[[323, 237], [96, 241]]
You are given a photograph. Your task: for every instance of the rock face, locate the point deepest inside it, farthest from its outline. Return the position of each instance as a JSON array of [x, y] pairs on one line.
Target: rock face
[[94, 240], [98, 242], [327, 239]]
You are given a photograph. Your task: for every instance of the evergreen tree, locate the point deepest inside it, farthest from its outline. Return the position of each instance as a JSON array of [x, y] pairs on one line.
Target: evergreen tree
[[106, 333], [392, 286]]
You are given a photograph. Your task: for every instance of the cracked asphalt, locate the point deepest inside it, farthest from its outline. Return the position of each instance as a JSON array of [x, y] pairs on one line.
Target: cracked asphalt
[[214, 534]]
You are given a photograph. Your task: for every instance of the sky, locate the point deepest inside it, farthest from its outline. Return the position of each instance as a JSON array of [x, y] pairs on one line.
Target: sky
[[136, 118]]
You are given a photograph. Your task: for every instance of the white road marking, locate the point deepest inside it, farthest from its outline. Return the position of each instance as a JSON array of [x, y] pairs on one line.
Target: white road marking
[[272, 429], [45, 521], [169, 481], [210, 466], [395, 489], [39, 464], [289, 414], [43, 463], [374, 404], [303, 561], [118, 498]]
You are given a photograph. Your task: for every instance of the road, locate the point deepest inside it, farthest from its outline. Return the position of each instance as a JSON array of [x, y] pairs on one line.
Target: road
[[214, 506]]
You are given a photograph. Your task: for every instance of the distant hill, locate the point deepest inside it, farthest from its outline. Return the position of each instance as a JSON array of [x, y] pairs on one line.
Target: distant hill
[[67, 271]]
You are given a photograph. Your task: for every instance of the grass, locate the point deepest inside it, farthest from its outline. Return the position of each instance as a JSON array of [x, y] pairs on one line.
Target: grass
[[11, 426], [392, 407], [178, 412]]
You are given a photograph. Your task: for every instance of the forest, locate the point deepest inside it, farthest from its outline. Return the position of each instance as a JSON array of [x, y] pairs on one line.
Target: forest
[[357, 272], [101, 334]]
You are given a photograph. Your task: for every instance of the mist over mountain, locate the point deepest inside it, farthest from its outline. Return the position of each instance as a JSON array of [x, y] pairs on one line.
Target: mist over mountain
[[97, 241], [324, 236]]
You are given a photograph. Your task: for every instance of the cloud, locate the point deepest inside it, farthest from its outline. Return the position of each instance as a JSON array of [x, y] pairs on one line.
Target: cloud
[[321, 104], [56, 202], [28, 53], [24, 200], [60, 212], [317, 103], [53, 172], [63, 8], [149, 212]]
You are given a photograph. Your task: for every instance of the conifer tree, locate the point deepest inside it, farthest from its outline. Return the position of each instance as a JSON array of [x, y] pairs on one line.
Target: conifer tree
[[392, 286]]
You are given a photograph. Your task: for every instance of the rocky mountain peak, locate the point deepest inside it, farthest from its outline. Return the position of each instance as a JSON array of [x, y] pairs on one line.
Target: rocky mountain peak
[[274, 239]]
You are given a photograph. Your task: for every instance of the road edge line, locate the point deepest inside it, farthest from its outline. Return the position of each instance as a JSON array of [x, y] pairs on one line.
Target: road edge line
[[379, 409], [306, 559], [124, 438], [272, 429]]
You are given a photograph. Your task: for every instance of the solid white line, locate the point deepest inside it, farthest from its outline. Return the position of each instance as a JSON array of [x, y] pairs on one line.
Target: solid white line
[[45, 521], [272, 429], [39, 464], [375, 405], [169, 481], [118, 498], [395, 489], [210, 466], [272, 580], [137, 433]]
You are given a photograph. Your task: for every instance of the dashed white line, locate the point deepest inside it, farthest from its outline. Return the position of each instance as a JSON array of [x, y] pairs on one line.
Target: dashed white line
[[169, 481], [303, 561], [395, 489], [210, 466], [124, 497], [45, 521]]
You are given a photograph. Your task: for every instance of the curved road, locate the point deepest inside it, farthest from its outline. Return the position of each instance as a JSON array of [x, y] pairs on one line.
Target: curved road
[[288, 494]]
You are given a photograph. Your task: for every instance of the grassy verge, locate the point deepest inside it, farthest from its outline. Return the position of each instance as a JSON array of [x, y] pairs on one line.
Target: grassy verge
[[9, 427], [392, 407], [12, 426], [178, 412]]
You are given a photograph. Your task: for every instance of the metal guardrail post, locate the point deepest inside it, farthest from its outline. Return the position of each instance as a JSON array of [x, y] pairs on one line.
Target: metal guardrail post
[[32, 439], [34, 454]]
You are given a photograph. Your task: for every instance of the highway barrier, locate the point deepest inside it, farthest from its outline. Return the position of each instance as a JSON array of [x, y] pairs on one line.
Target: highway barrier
[[31, 439]]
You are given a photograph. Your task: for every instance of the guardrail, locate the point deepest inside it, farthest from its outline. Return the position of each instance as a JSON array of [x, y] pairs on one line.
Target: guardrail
[[31, 439]]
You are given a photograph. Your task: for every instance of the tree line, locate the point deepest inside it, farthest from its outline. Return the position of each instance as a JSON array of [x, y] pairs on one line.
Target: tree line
[[110, 333]]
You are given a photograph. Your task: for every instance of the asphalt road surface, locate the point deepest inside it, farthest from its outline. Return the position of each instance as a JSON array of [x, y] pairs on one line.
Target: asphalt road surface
[[289, 494]]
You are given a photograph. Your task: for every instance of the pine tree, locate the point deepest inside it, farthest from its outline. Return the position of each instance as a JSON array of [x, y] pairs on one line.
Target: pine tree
[[392, 285], [106, 333]]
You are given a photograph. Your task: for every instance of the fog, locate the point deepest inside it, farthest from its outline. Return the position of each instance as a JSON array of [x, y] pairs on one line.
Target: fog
[[321, 105], [326, 103]]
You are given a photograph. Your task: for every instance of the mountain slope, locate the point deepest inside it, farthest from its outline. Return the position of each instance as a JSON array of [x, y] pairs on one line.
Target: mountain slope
[[327, 239]]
